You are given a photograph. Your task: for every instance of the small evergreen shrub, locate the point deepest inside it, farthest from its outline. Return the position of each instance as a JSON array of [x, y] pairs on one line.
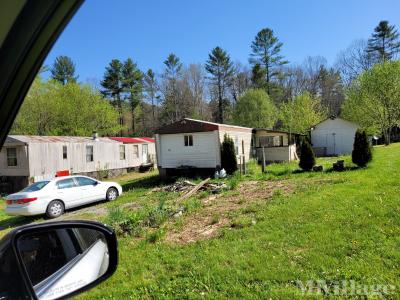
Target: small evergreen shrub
[[362, 153], [228, 155], [307, 157]]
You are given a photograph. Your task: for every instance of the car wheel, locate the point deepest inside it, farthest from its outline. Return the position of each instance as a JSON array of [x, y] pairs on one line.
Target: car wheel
[[111, 194], [55, 209]]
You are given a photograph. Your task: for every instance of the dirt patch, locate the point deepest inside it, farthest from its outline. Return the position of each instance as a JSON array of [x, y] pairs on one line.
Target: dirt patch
[[84, 212], [205, 223], [99, 210]]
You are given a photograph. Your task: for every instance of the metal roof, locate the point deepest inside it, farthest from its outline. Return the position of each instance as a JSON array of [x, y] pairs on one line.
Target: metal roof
[[147, 139], [187, 125], [276, 131], [130, 140], [55, 139], [332, 117], [217, 124], [11, 140]]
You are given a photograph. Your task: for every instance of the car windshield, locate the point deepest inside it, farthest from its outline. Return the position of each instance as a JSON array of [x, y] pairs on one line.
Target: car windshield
[[37, 186]]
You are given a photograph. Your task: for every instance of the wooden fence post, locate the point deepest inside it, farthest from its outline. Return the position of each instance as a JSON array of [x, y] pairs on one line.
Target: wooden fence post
[[244, 159], [263, 160]]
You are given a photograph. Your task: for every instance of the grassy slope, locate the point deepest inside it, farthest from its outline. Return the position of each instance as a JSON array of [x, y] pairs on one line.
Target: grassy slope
[[335, 226]]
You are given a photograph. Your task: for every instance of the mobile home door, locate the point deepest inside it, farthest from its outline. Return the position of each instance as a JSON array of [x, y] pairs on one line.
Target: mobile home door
[[145, 152]]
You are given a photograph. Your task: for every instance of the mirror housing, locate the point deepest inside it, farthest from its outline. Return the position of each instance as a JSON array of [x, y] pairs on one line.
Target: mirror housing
[[55, 260]]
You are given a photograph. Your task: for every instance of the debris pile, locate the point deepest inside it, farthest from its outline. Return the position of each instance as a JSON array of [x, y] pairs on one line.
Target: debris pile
[[338, 166], [216, 188], [186, 186], [179, 186]]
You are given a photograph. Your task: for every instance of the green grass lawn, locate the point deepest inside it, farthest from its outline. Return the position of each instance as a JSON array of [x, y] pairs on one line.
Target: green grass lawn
[[332, 226], [335, 226]]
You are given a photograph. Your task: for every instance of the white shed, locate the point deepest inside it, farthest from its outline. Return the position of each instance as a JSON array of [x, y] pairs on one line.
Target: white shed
[[191, 143], [333, 136]]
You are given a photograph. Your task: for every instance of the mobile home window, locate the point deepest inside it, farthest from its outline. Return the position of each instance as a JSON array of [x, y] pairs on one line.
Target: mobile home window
[[136, 151], [122, 152], [12, 157], [188, 140], [65, 153], [266, 141], [89, 153]]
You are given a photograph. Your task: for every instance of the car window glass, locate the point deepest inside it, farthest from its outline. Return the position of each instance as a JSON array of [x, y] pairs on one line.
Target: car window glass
[[37, 186], [82, 181], [66, 183], [43, 254], [87, 237]]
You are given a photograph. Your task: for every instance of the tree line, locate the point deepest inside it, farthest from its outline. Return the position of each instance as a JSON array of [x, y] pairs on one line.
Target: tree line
[[267, 92]]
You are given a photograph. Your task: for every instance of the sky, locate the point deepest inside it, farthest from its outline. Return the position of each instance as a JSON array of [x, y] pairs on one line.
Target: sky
[[147, 31]]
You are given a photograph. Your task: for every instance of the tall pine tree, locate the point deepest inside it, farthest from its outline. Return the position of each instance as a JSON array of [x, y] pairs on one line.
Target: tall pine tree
[[266, 50], [220, 67], [63, 70], [172, 75], [151, 88], [258, 75], [384, 42], [113, 85], [132, 84]]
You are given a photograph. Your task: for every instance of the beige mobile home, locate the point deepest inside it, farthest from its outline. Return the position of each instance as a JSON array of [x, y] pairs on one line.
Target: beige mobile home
[[191, 143], [278, 146], [25, 158]]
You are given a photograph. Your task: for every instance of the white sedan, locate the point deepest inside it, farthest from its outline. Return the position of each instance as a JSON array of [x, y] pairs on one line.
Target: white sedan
[[53, 197]]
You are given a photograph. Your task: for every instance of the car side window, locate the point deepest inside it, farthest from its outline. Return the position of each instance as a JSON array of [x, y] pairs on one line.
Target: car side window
[[65, 184], [82, 181]]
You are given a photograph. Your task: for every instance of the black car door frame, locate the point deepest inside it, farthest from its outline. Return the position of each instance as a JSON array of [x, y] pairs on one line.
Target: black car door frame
[[28, 42]]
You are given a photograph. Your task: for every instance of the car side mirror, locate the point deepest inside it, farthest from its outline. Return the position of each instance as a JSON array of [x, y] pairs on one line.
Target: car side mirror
[[62, 259]]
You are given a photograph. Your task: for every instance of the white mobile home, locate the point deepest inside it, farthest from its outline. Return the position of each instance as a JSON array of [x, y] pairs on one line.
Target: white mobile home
[[333, 136], [191, 143], [25, 158]]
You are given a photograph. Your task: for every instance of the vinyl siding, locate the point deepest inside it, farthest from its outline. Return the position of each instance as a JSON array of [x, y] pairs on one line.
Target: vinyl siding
[[173, 153], [22, 168], [337, 136], [238, 136]]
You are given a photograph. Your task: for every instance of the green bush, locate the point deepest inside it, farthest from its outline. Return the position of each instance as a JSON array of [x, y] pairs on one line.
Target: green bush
[[125, 222], [307, 157], [362, 153], [157, 215], [228, 155]]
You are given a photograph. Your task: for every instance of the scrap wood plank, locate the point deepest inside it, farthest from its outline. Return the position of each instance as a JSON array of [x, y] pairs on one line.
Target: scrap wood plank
[[194, 190]]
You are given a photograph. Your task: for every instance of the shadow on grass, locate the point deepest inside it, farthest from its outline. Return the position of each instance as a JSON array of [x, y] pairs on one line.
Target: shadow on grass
[[284, 172], [352, 168], [15, 221], [147, 182]]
